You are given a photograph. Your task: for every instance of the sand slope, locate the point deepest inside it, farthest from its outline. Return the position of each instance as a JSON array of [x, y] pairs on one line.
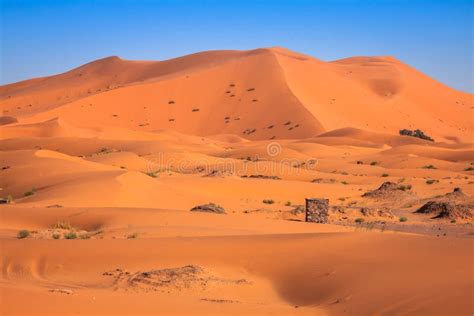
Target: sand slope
[[102, 165], [257, 94]]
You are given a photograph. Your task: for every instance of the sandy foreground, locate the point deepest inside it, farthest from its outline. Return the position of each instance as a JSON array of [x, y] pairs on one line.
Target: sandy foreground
[[101, 166]]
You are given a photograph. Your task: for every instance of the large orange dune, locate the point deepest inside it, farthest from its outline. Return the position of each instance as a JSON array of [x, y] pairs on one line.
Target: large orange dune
[[100, 167]]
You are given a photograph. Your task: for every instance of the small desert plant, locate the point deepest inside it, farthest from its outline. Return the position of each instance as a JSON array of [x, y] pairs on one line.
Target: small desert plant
[[453, 221], [31, 192], [342, 199], [85, 236], [132, 236], [62, 225], [373, 163], [288, 203], [429, 167], [384, 175], [359, 220], [70, 235], [56, 236], [469, 169], [403, 219], [344, 182], [23, 234], [404, 187], [152, 174], [431, 181], [268, 201]]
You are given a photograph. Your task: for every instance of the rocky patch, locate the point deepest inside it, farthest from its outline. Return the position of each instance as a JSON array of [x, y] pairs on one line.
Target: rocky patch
[[210, 208]]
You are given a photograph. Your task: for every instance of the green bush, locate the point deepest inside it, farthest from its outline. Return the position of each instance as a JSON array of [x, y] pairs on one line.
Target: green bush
[[70, 235], [30, 193], [404, 187], [403, 219], [23, 234], [359, 220], [56, 236], [268, 201]]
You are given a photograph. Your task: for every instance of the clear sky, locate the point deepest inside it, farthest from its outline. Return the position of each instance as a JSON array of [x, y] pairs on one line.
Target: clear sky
[[45, 37]]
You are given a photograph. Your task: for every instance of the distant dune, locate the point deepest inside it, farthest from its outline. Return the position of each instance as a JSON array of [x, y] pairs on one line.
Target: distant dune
[[258, 94]]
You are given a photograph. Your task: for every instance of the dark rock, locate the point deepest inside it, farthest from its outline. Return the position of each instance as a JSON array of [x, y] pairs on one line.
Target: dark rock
[[415, 133], [210, 208], [317, 210], [447, 210], [388, 190]]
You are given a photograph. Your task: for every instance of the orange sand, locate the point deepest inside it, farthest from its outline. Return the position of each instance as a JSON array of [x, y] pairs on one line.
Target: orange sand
[[122, 150]]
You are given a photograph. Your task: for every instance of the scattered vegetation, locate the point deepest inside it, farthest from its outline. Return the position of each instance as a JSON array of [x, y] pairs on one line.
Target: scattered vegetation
[[62, 225], [469, 169], [288, 203], [359, 220], [70, 235], [404, 187], [374, 163], [104, 150], [132, 236], [384, 175], [344, 182], [56, 236], [23, 234], [429, 167], [431, 181], [403, 219], [153, 174], [268, 201], [30, 193]]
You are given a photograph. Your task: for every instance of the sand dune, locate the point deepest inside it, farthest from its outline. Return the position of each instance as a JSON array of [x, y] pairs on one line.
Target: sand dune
[[291, 96], [100, 167]]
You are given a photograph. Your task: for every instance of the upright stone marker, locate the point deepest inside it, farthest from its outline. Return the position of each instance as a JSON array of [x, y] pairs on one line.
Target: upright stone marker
[[317, 210]]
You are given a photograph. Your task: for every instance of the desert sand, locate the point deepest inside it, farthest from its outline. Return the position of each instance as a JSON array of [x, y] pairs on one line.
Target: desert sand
[[101, 165]]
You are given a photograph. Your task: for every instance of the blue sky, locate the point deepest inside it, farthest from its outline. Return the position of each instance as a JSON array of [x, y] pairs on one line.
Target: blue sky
[[41, 38]]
